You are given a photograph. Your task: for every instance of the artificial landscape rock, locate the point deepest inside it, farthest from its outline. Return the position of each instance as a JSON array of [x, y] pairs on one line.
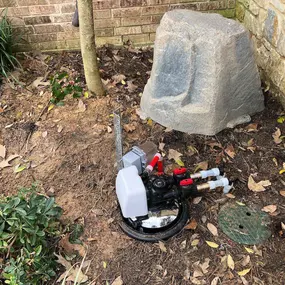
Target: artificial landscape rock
[[204, 77]]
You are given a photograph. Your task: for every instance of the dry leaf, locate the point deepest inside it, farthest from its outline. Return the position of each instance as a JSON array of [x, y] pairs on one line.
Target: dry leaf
[[162, 246], [257, 187], [131, 87], [6, 163], [251, 128], [277, 136], [195, 242], [257, 251], [109, 129], [195, 281], [230, 262], [192, 225], [175, 155], [246, 260], [215, 280], [70, 247], [38, 82], [72, 273], [212, 244], [129, 127], [59, 128], [2, 151], [244, 272], [282, 226], [192, 150], [249, 250], [118, 281], [212, 229], [197, 200], [19, 168], [118, 78], [231, 196], [269, 209], [198, 273], [44, 134], [81, 106], [161, 146], [205, 265], [244, 282], [201, 165], [230, 151], [282, 193]]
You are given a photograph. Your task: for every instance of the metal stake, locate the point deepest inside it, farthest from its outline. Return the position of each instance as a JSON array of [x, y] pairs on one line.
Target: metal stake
[[118, 138]]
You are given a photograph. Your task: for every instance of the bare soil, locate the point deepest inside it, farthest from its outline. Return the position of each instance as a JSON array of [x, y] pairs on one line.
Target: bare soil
[[72, 151]]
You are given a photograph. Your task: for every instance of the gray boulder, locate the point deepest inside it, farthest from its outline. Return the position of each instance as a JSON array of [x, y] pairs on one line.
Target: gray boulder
[[204, 77]]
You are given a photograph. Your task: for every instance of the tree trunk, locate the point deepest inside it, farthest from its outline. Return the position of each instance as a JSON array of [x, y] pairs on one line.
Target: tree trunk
[[88, 47]]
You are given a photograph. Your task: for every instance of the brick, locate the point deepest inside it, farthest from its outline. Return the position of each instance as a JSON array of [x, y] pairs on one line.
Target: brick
[[25, 30], [42, 10], [37, 20], [127, 30], [105, 4], [127, 12], [228, 13], [134, 21], [68, 36], [68, 8], [47, 46], [107, 23], [37, 38], [191, 6], [48, 28], [154, 10], [137, 39], [18, 11], [155, 2], [17, 21], [107, 32], [8, 3], [149, 28], [60, 1], [67, 27], [131, 3], [116, 40], [102, 14], [62, 18], [232, 4], [32, 2], [156, 19], [152, 37]]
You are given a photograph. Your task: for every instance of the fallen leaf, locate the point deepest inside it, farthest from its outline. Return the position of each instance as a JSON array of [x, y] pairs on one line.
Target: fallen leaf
[[39, 82], [240, 203], [150, 122], [19, 168], [214, 144], [231, 196], [86, 94], [275, 161], [230, 151], [250, 142], [81, 106], [246, 260], [282, 193], [72, 273], [195, 242], [6, 163], [161, 146], [192, 225], [215, 280], [197, 273], [197, 200], [203, 165], [44, 134], [257, 187], [282, 171], [205, 265], [244, 282], [230, 262], [104, 264], [249, 250], [212, 244], [109, 129], [59, 128], [243, 272], [282, 226], [70, 247], [50, 107], [118, 281], [2, 151], [257, 251], [212, 229], [131, 87], [192, 150], [118, 78], [195, 281], [269, 209], [276, 136], [162, 246], [175, 155], [129, 127], [251, 128], [281, 120]]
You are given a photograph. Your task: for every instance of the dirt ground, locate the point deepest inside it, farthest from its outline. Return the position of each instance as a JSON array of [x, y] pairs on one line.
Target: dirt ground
[[71, 151]]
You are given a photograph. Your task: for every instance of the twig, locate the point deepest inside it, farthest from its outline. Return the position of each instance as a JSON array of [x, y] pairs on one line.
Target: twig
[[10, 245]]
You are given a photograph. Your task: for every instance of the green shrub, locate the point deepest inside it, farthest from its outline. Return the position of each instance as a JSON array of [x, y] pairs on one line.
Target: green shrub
[[29, 228], [7, 42]]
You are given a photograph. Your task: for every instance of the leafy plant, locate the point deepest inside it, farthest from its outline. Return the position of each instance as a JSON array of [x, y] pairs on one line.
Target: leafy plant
[[28, 228], [61, 87], [7, 42]]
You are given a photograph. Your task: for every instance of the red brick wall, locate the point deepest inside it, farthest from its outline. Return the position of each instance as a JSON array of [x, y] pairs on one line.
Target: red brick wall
[[46, 24]]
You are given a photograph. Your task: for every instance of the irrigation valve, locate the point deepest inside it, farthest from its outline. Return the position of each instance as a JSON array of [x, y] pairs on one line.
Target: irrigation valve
[[154, 205]]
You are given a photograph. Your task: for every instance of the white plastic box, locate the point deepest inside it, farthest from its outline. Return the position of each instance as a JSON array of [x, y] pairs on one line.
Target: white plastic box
[[131, 193]]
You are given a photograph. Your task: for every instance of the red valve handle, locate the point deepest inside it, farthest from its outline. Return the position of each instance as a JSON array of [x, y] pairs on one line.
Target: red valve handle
[[179, 171], [186, 182]]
